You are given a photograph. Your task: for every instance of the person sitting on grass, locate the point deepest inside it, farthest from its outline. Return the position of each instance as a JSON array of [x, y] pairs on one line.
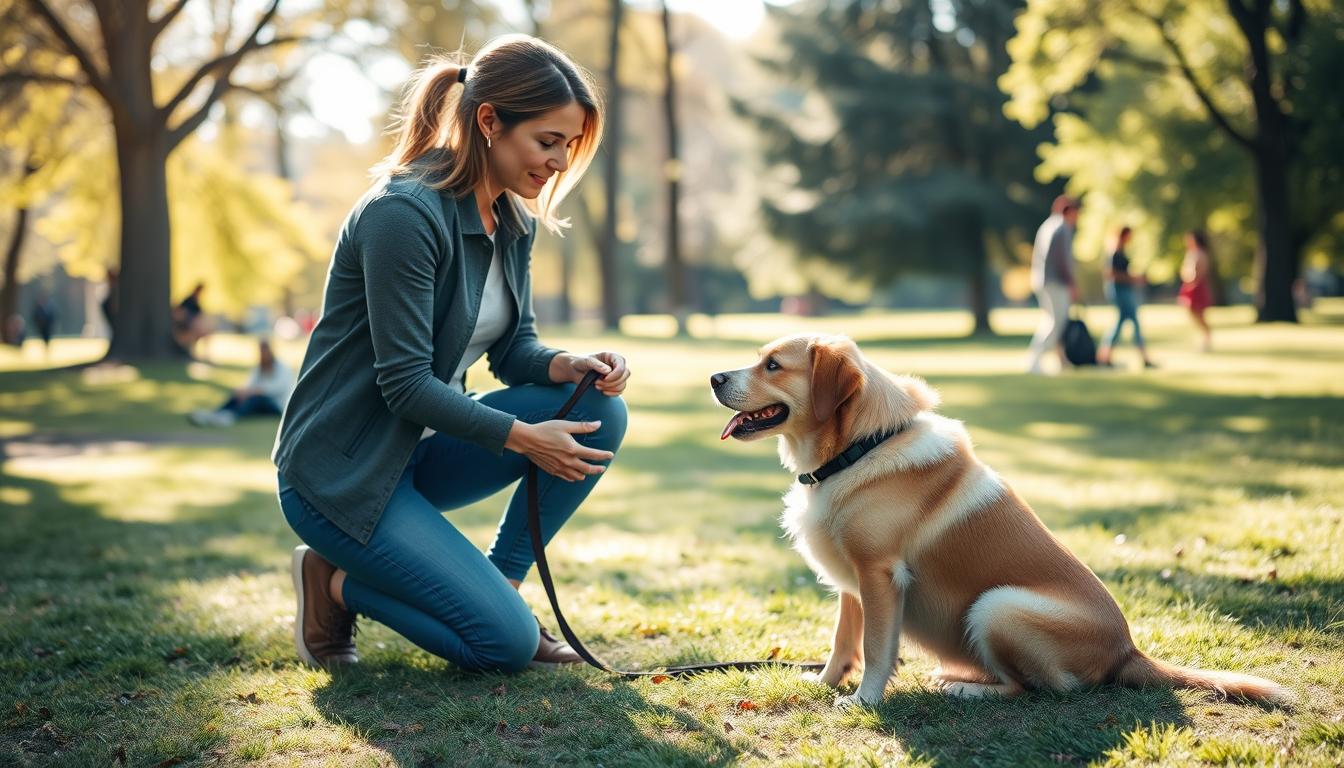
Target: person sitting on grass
[[265, 393]]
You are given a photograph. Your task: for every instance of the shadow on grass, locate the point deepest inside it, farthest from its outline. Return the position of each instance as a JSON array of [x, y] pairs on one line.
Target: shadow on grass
[[1037, 728], [101, 633], [1301, 602], [432, 715]]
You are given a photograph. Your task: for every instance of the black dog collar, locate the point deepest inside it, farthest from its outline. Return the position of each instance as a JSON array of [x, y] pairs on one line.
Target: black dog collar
[[853, 453]]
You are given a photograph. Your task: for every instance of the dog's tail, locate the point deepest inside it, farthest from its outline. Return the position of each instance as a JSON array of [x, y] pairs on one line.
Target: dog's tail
[[1143, 671]]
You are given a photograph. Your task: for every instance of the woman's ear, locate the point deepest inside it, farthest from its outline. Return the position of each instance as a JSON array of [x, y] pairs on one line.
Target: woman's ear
[[835, 376], [487, 121]]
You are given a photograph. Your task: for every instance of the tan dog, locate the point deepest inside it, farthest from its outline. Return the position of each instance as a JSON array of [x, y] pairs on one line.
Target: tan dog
[[919, 536]]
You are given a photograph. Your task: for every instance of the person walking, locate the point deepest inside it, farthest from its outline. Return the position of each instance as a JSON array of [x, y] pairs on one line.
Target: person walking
[[430, 272], [1053, 280], [1196, 283], [1122, 288]]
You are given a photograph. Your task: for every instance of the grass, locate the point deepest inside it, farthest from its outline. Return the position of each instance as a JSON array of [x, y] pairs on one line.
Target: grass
[[145, 609]]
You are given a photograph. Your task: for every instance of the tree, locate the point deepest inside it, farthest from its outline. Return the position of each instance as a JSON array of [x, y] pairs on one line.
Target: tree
[[608, 250], [909, 164], [1258, 71], [676, 280], [114, 56]]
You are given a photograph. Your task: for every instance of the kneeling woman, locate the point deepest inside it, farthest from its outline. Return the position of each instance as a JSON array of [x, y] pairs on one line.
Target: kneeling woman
[[429, 273]]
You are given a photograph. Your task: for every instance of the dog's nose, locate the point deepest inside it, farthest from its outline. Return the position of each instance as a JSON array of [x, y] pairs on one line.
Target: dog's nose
[[718, 380]]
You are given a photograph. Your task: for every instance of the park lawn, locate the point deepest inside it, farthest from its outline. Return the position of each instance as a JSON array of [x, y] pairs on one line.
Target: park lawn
[[146, 612]]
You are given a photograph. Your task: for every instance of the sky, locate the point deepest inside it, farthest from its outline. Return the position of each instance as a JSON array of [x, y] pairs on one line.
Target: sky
[[344, 97]]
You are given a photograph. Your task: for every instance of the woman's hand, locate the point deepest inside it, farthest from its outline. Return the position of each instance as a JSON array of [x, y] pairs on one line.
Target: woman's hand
[[552, 447], [569, 368]]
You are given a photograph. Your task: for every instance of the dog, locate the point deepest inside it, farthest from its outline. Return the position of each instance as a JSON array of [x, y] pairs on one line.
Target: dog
[[918, 537]]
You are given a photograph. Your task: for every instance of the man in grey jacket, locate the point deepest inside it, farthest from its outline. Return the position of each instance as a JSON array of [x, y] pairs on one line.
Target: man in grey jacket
[[1052, 278]]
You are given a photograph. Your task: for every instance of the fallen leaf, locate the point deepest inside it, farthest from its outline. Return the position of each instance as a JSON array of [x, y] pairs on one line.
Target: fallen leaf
[[660, 679], [176, 653], [169, 762], [744, 704], [773, 654], [390, 726], [683, 702], [1273, 574], [250, 698], [499, 690], [501, 727], [413, 728], [728, 727]]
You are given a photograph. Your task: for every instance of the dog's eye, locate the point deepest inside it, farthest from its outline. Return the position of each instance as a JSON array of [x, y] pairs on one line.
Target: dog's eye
[[771, 365]]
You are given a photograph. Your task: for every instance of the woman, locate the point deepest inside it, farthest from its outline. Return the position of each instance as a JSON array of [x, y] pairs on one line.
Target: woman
[[430, 271], [1122, 288], [264, 394], [1196, 290]]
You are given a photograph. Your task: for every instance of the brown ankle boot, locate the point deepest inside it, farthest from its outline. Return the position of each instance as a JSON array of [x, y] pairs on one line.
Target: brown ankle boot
[[324, 632], [552, 650]]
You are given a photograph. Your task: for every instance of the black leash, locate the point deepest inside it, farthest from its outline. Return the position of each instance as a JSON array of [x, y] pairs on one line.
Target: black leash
[[544, 571]]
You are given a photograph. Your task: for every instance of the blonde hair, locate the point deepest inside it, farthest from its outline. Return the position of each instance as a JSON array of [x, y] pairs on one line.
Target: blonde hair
[[522, 77]]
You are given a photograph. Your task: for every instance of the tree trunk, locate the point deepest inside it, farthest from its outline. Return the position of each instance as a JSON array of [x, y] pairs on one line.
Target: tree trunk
[[143, 327], [1277, 260], [1271, 151], [977, 276], [9, 294], [609, 250], [676, 277]]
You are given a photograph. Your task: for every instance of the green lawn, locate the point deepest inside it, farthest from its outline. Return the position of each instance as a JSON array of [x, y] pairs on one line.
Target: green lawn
[[145, 606]]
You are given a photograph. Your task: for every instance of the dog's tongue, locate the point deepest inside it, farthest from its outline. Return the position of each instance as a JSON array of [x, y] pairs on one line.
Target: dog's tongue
[[737, 419]]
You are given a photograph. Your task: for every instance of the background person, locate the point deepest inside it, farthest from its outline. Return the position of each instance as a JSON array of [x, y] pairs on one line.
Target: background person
[[1122, 287], [1196, 289], [1052, 278], [265, 394]]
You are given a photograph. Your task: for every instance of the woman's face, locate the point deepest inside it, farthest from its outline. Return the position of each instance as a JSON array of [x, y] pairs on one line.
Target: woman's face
[[523, 159]]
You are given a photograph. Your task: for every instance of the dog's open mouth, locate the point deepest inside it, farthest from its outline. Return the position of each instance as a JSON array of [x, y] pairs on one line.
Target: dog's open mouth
[[744, 423]]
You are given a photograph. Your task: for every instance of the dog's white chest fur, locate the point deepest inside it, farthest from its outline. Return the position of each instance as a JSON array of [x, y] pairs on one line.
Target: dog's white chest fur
[[811, 514], [808, 523]]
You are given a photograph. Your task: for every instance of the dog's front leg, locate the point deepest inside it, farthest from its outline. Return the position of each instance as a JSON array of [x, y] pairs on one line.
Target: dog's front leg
[[847, 649], [883, 597]]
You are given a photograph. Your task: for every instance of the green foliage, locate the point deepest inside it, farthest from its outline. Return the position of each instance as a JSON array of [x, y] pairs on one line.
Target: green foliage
[[1136, 139], [895, 155]]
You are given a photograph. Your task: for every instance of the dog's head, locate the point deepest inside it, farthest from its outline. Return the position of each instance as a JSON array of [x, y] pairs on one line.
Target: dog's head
[[797, 384]]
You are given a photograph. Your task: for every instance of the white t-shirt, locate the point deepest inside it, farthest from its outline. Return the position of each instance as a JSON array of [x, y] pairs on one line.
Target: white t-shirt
[[491, 322], [277, 385]]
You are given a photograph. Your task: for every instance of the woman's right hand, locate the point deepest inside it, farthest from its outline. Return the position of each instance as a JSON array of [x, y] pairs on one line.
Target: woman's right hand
[[552, 447]]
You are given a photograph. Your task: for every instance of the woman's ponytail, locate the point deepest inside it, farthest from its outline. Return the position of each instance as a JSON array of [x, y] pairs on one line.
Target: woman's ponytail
[[425, 112]]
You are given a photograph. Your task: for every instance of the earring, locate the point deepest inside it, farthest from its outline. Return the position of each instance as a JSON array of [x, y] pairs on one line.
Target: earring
[[488, 145]]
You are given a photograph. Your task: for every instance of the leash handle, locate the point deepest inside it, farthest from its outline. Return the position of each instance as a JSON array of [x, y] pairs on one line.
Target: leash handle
[[544, 572]]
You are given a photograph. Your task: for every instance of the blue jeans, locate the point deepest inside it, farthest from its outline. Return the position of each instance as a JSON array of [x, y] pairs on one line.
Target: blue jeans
[[1128, 305], [420, 576], [252, 406]]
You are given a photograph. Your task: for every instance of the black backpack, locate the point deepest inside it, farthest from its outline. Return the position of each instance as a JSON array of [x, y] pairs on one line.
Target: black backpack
[[1079, 347]]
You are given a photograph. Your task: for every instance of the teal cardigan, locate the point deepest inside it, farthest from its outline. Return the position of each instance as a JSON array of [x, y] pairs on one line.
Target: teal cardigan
[[402, 295]]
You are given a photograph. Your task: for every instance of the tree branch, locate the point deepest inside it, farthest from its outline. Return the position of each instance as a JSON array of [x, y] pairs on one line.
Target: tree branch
[[228, 61], [157, 26], [96, 80], [1184, 65], [25, 76]]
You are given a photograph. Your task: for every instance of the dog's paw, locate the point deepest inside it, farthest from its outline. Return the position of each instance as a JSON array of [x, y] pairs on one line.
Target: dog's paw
[[854, 701]]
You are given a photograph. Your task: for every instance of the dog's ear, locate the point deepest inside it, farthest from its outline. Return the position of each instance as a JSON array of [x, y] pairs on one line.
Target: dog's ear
[[835, 376]]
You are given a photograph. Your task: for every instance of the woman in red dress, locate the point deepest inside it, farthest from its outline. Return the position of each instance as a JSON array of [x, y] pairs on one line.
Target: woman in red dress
[[1196, 292]]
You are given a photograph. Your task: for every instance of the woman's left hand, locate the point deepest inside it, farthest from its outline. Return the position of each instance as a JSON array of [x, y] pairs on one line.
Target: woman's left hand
[[566, 367]]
